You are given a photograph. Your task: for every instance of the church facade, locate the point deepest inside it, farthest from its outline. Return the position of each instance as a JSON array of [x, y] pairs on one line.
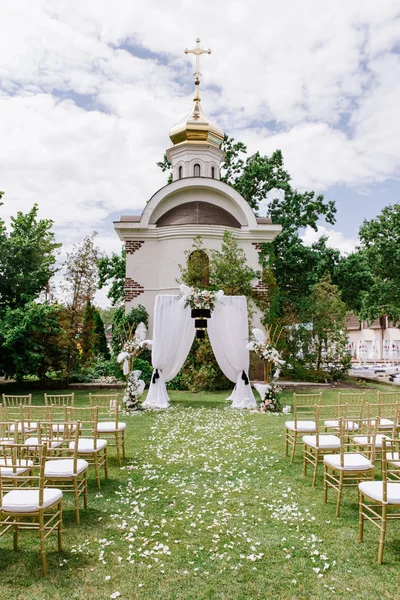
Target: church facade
[[195, 203]]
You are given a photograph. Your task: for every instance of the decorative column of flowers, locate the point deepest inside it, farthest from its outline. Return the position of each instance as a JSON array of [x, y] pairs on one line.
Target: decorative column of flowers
[[134, 390], [202, 303], [135, 342], [264, 346]]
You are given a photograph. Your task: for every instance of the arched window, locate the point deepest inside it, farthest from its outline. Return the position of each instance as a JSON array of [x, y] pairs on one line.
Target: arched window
[[196, 170], [198, 269], [180, 172], [213, 172]]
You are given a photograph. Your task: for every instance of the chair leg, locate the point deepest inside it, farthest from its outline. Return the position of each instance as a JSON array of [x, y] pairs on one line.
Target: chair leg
[[105, 463], [85, 490], [325, 484], [59, 529], [305, 462], [315, 468], [118, 447], [123, 444], [15, 527], [340, 492], [383, 535], [360, 518], [42, 542], [96, 470], [294, 447], [76, 499]]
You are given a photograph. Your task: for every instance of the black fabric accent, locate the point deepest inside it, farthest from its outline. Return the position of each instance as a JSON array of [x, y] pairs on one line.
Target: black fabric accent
[[245, 378], [156, 375], [200, 334]]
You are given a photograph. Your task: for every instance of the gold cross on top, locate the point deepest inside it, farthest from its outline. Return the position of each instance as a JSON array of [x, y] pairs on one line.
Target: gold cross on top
[[197, 52]]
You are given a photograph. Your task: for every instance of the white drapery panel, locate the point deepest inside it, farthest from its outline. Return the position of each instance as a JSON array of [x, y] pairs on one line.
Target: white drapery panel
[[173, 335], [228, 330]]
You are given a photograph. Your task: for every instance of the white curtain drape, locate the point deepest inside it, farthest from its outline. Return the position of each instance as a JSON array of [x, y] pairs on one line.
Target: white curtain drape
[[228, 330], [173, 334]]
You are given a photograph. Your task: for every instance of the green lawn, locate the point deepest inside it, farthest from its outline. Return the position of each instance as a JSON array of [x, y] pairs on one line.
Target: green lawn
[[206, 506]]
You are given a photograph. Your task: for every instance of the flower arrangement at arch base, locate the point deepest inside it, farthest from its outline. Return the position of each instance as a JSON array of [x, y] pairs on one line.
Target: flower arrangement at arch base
[[264, 347], [133, 345]]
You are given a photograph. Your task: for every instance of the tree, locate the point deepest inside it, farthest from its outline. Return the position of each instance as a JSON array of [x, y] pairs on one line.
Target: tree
[[112, 271], [354, 278], [123, 321], [80, 286], [319, 342], [32, 340], [100, 346], [380, 242], [27, 258], [87, 339]]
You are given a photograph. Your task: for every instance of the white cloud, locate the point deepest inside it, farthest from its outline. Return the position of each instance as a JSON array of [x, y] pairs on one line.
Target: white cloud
[[336, 239], [83, 122]]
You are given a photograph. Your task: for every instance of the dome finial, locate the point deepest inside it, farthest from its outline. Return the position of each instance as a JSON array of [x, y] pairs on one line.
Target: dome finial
[[198, 51]]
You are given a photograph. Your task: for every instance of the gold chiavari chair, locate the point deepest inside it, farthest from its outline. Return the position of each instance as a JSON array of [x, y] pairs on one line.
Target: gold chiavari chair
[[109, 423], [347, 468], [58, 402], [321, 443], [67, 471], [45, 434], [387, 397], [377, 499], [12, 406], [303, 420], [90, 446], [350, 410], [28, 504], [385, 411], [388, 429]]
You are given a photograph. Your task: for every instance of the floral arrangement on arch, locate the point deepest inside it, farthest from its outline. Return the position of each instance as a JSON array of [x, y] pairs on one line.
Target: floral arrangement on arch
[[134, 390], [134, 344], [196, 298], [264, 346]]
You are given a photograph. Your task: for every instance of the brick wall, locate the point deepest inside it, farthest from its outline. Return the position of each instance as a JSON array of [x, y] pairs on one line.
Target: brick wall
[[132, 289], [131, 247], [261, 290], [257, 245]]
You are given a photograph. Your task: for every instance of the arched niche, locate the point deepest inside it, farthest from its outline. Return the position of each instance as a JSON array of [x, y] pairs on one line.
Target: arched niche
[[197, 213]]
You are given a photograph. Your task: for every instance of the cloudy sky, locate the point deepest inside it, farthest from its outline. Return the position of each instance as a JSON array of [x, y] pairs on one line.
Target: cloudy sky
[[90, 88]]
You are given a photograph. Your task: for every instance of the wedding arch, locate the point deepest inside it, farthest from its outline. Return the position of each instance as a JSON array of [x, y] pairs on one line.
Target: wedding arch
[[173, 335]]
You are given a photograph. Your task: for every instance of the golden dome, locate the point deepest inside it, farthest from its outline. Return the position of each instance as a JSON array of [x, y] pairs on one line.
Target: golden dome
[[196, 127]]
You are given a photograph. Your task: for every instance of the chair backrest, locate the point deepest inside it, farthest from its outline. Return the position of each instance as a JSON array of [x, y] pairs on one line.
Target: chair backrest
[[16, 401], [324, 413], [108, 406], [384, 411], [59, 400], [355, 403], [304, 406], [390, 470], [347, 444], [35, 414], [14, 457], [6, 434], [87, 418], [387, 397]]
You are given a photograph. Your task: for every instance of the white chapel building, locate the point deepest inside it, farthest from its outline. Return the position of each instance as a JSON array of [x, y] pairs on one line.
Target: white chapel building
[[196, 203]]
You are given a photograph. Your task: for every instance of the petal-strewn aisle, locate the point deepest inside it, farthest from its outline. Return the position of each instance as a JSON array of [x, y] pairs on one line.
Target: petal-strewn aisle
[[204, 500]]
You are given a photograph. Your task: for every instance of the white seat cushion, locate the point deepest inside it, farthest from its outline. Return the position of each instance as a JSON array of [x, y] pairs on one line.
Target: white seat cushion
[[334, 424], [34, 441], [109, 427], [365, 440], [27, 426], [325, 441], [21, 468], [64, 468], [384, 423], [86, 445], [23, 500], [6, 441], [58, 427], [352, 462], [374, 490], [301, 425]]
